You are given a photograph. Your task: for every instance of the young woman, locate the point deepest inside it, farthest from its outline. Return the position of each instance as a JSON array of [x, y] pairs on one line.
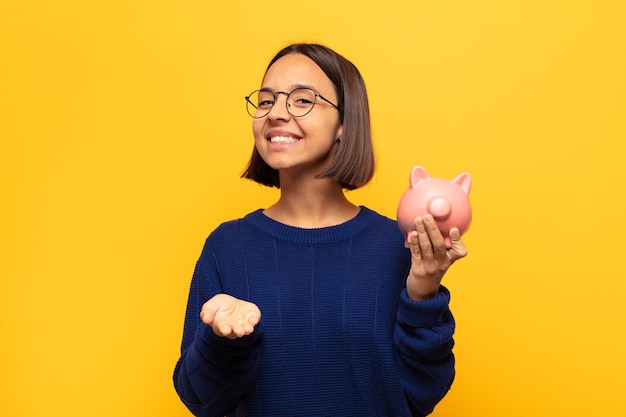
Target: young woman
[[314, 306]]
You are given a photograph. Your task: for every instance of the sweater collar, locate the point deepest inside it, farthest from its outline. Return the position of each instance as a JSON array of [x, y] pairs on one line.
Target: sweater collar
[[330, 234]]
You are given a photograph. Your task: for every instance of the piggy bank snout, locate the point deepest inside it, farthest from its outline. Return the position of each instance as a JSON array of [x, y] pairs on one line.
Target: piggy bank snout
[[439, 208]]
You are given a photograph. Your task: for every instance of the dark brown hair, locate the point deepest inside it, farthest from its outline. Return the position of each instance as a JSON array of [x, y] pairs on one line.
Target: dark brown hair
[[353, 164]]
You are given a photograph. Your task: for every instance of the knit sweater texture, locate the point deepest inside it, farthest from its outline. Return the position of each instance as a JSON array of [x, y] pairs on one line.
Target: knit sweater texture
[[338, 335]]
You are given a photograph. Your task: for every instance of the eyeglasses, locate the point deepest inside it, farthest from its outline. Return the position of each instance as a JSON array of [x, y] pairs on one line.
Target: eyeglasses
[[299, 102]]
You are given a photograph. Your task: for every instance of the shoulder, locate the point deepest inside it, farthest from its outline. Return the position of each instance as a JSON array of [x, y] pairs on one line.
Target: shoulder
[[228, 235], [230, 228], [379, 222]]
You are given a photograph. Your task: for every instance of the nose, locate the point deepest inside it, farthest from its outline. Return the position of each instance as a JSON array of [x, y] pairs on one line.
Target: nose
[[279, 109]]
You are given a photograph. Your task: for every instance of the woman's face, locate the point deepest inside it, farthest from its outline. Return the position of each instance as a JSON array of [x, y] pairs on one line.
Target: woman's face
[[298, 144]]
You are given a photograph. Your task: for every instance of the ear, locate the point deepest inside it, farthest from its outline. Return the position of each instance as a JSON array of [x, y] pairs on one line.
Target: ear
[[417, 174], [339, 132], [464, 180]]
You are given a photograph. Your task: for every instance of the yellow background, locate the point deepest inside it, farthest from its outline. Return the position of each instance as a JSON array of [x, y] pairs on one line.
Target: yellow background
[[123, 134]]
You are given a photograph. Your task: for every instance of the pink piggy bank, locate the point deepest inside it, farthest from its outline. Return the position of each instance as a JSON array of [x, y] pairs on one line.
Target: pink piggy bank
[[447, 201]]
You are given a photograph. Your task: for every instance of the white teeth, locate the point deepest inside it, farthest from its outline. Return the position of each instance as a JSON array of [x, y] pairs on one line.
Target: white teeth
[[283, 139]]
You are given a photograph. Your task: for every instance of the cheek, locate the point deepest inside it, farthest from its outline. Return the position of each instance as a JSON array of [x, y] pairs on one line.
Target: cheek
[[257, 129]]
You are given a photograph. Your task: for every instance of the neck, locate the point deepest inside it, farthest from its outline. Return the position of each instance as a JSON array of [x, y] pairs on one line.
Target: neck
[[314, 204]]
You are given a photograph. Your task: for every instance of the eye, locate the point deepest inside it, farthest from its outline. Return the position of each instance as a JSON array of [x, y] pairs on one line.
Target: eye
[[265, 100], [264, 104], [303, 101], [302, 97]]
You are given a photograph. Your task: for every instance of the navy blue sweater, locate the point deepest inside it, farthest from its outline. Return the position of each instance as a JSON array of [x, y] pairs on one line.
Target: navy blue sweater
[[338, 334]]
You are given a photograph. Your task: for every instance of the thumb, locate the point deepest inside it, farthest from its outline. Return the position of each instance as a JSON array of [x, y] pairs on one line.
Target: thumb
[[209, 309], [457, 247]]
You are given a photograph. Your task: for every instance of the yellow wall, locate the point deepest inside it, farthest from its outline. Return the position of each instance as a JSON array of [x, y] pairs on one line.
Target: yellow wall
[[123, 133]]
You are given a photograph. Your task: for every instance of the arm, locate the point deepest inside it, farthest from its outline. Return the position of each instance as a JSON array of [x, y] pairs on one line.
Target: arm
[[423, 340], [216, 367], [425, 325]]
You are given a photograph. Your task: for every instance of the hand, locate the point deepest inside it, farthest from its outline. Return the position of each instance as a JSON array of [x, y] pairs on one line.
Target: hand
[[230, 317], [430, 258]]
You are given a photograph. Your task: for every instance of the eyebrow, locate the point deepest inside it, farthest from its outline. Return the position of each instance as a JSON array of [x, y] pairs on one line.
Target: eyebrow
[[292, 87]]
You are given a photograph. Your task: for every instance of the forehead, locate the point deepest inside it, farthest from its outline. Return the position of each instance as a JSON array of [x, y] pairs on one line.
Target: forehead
[[295, 70]]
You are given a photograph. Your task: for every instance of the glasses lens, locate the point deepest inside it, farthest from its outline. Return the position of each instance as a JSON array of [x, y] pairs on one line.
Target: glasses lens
[[301, 101], [259, 103]]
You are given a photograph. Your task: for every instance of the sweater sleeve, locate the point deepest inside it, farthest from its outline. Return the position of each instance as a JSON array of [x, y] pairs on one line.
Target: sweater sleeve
[[213, 373], [423, 340]]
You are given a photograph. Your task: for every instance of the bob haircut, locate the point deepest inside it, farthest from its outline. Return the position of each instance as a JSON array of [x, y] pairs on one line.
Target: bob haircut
[[353, 164]]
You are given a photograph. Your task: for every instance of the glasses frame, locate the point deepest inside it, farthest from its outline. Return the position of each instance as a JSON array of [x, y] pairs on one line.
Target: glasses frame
[[287, 105]]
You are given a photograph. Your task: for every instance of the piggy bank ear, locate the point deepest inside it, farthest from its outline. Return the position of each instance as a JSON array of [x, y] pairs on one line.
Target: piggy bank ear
[[417, 174], [464, 181]]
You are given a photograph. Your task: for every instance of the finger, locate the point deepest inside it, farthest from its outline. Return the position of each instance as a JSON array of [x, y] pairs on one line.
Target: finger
[[423, 238], [238, 330], [416, 251], [407, 241], [254, 316], [432, 229], [426, 263], [224, 330], [209, 309], [437, 240], [244, 324], [457, 247], [413, 240], [246, 329]]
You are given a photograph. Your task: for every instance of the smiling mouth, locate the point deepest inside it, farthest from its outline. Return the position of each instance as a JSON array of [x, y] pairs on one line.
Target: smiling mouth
[[283, 139]]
